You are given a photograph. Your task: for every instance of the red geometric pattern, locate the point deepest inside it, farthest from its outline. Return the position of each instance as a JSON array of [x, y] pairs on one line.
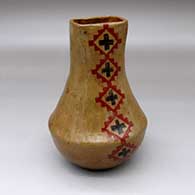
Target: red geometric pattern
[[122, 152], [98, 36], [98, 69], [124, 134], [117, 126], [103, 95]]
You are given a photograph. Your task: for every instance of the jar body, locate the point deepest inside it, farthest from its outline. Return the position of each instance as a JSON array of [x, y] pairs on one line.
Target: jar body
[[97, 123]]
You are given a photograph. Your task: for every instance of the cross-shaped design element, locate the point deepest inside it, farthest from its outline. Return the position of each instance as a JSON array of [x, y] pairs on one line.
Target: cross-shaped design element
[[123, 153], [118, 127], [107, 69], [106, 42], [111, 97]]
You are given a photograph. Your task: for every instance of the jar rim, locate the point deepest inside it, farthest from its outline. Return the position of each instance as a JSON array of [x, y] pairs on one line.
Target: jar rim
[[98, 20]]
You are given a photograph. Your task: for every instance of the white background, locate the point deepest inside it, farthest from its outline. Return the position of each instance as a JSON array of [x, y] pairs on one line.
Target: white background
[[34, 64]]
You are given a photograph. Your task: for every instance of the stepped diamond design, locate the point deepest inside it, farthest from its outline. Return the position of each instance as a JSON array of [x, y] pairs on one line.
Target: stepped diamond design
[[123, 152], [111, 98], [106, 70], [118, 126], [106, 40]]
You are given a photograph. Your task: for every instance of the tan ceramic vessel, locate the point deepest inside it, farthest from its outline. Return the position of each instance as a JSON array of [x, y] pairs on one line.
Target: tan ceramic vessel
[[78, 122]]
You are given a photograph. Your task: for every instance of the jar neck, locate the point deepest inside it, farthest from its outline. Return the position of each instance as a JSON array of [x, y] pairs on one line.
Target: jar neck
[[97, 44]]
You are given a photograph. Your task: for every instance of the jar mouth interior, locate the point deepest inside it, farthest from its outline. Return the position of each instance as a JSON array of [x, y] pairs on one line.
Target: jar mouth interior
[[98, 20]]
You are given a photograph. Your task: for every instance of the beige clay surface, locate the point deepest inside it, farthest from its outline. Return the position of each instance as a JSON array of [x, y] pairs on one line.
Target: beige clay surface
[[77, 121]]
